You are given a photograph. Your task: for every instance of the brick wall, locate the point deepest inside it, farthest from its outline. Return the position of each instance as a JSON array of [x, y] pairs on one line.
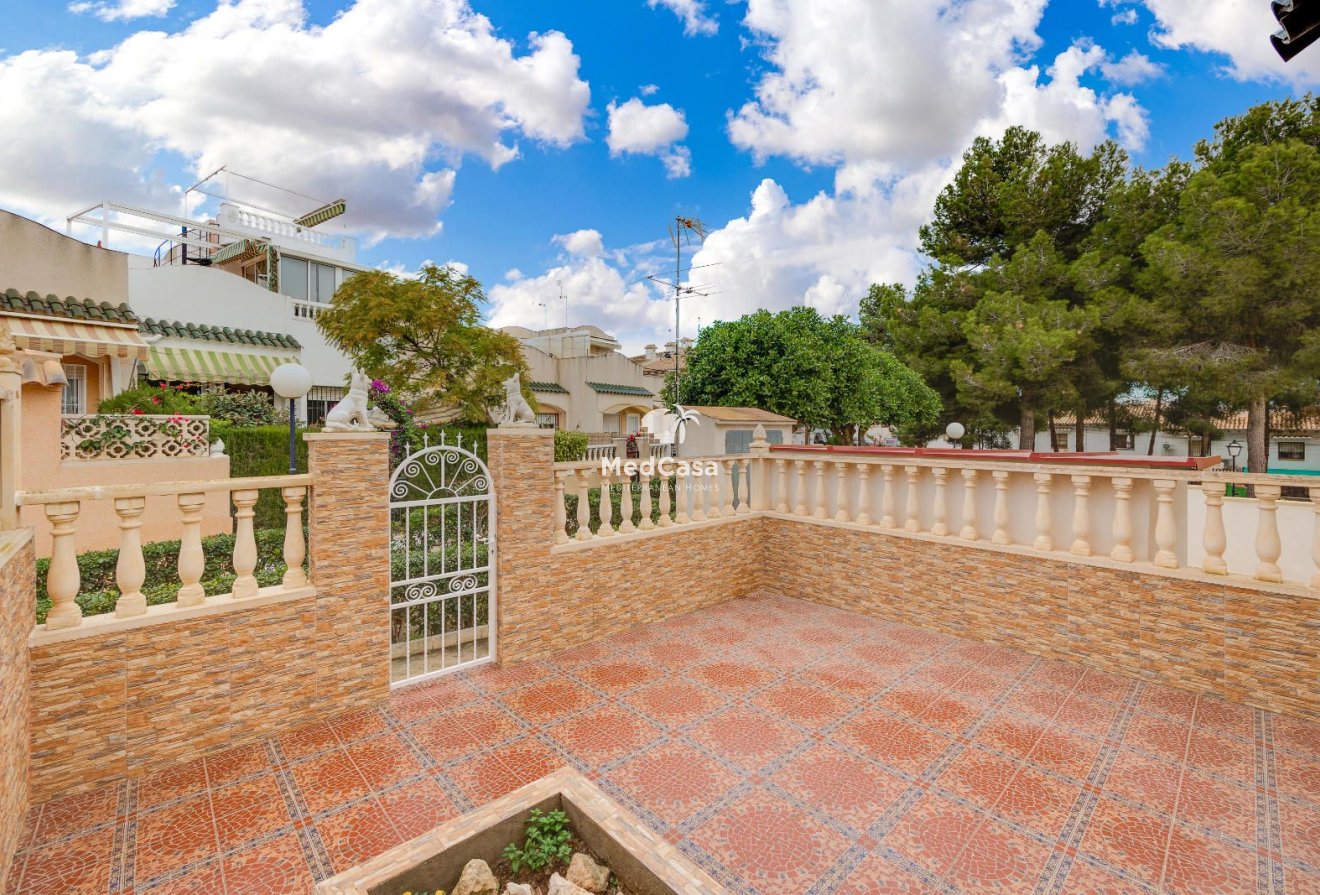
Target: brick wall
[[128, 702], [16, 588], [550, 600], [1247, 646]]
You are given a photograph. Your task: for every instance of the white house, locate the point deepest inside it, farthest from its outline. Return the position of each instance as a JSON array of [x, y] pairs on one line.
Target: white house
[[729, 430]]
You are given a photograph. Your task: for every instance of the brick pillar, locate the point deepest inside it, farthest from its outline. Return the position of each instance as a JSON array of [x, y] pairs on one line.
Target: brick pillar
[[521, 462], [349, 550], [17, 593]]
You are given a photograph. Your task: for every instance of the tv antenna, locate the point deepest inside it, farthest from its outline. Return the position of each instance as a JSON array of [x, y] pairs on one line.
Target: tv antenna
[[681, 232], [563, 298]]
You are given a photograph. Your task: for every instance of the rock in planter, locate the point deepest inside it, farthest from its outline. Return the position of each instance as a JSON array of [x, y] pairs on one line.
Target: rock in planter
[[519, 889], [584, 872], [477, 879], [561, 886]]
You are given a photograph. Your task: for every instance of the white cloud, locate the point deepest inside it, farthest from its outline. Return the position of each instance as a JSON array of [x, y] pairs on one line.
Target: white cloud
[[582, 243], [648, 89], [1236, 29], [379, 106], [692, 13], [636, 128], [1126, 17], [122, 10], [1134, 68]]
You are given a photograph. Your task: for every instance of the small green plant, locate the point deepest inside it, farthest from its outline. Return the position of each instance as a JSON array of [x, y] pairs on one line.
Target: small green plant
[[547, 842]]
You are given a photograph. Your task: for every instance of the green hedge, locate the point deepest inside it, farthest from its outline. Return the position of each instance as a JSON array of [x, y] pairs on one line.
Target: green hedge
[[570, 447], [261, 451], [97, 571]]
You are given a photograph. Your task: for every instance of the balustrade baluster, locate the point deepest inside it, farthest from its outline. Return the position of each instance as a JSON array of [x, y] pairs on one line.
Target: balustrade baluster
[[130, 568], [1001, 535], [1081, 521], [818, 494], [1166, 530], [800, 492], [1214, 538], [841, 492], [745, 486], [698, 488], [584, 532], [626, 506], [245, 544], [713, 492], [781, 486], [665, 507], [295, 545], [940, 525], [863, 494], [969, 532], [645, 524], [682, 496], [192, 561], [887, 501], [63, 580], [561, 509], [605, 510], [913, 520], [1268, 547], [729, 507], [1044, 541], [1315, 537], [1122, 551]]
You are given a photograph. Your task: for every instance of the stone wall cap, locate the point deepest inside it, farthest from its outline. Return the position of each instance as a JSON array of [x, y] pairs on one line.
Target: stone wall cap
[[346, 436], [534, 431], [12, 540]]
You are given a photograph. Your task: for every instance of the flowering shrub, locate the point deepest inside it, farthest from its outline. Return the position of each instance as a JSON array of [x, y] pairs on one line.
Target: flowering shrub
[[253, 408], [153, 399]]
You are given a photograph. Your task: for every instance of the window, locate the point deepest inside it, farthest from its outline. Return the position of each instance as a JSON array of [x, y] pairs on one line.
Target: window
[[547, 420], [323, 283], [1059, 442], [1292, 450], [633, 423], [1195, 447], [319, 401], [1123, 441], [293, 278], [73, 398]]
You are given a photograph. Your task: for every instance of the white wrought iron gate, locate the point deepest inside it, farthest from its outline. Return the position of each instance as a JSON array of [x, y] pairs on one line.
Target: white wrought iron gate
[[442, 563]]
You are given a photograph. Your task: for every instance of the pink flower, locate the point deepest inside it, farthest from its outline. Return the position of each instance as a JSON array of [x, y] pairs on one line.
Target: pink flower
[[137, 411], [379, 387]]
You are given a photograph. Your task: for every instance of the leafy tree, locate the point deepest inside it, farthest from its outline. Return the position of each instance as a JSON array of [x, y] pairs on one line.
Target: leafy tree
[[423, 337], [820, 371], [1239, 268]]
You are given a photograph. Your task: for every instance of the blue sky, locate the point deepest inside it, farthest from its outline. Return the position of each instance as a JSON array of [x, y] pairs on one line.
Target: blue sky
[[810, 138]]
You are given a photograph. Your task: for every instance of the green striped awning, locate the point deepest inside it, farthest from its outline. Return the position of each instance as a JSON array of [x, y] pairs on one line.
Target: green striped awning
[[208, 365], [243, 250], [322, 214]]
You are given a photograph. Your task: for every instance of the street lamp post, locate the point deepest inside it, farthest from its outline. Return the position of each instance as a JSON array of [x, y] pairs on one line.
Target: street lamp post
[[291, 381], [1234, 448], [954, 433]]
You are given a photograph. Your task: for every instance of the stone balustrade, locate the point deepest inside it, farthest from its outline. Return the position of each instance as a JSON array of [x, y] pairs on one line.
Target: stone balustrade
[[659, 493], [62, 508], [1161, 518]]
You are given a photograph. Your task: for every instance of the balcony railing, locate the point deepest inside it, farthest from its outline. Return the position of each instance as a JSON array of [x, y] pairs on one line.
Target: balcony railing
[[108, 436]]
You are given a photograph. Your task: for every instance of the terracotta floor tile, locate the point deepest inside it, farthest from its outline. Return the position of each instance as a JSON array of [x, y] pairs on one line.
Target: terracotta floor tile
[[749, 739], [1145, 781], [731, 676], [1161, 700], [207, 879], [1127, 839], [173, 837], [271, 868], [932, 834], [234, 764], [1085, 879], [1226, 718], [1301, 882], [1060, 675], [1300, 825], [953, 713], [1104, 685], [1200, 865], [909, 699], [528, 759], [604, 734], [1235, 759], [776, 848], [618, 676], [172, 784], [71, 867], [247, 810], [358, 725], [356, 833], [1088, 715], [1297, 776], [803, 705], [1217, 805], [1297, 735], [497, 679], [1038, 801], [306, 741], [848, 789], [846, 676], [1064, 752], [1015, 737], [674, 780], [417, 807], [1158, 735], [1035, 702], [978, 776], [383, 761], [75, 814], [877, 876], [997, 859], [675, 655], [329, 781], [898, 744], [483, 778], [885, 656], [674, 702], [547, 701], [418, 701]]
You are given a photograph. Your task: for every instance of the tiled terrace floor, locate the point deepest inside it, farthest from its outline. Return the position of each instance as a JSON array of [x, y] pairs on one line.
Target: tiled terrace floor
[[787, 747]]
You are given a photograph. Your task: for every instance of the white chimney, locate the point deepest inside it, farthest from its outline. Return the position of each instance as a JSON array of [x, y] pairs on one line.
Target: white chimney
[[650, 352]]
